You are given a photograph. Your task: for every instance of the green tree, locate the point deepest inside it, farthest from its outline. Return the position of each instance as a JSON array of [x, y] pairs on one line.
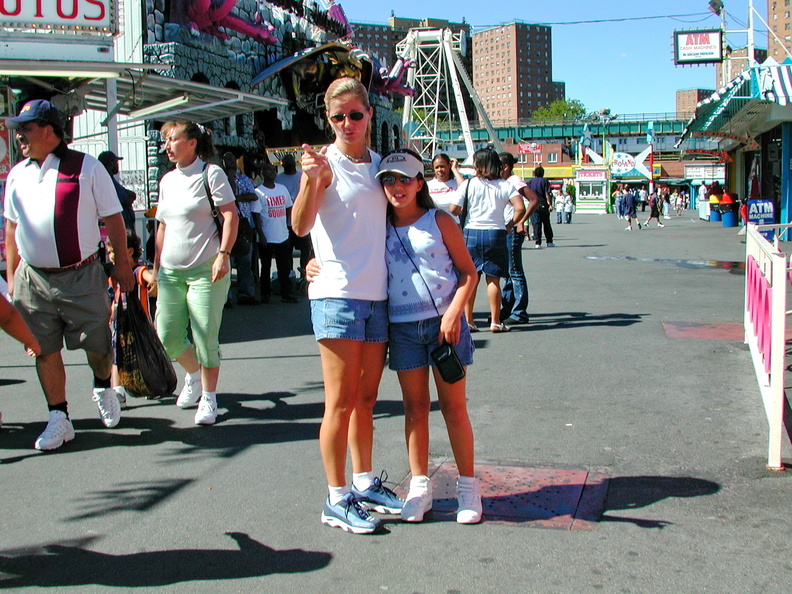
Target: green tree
[[562, 109]]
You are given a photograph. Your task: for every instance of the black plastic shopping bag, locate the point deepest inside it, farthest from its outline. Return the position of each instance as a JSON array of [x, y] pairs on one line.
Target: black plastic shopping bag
[[143, 364]]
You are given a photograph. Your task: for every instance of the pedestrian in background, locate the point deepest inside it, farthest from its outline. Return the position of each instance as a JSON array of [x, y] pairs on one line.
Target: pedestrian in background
[[275, 204], [514, 307], [126, 197], [485, 231], [446, 180], [540, 219], [569, 207], [248, 207]]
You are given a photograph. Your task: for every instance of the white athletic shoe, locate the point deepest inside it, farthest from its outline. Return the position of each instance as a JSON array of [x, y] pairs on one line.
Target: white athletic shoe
[[207, 411], [59, 430], [469, 498], [190, 393], [109, 407], [419, 500]]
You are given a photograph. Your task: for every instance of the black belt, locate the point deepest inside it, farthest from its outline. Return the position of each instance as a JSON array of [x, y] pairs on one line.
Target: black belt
[[88, 260]]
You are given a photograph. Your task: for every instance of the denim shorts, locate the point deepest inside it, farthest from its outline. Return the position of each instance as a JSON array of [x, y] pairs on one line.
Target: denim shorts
[[488, 250], [411, 342], [352, 319]]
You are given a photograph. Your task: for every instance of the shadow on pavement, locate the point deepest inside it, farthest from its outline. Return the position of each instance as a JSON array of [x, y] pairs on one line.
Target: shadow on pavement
[[244, 420], [633, 492], [73, 565], [569, 319]]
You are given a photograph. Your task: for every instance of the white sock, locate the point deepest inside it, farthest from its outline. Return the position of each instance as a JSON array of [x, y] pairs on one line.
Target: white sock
[[419, 484], [363, 480], [209, 395], [119, 389], [465, 481], [336, 494], [195, 376]]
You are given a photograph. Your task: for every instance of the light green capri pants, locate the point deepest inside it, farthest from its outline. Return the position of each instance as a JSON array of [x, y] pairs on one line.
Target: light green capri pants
[[190, 298]]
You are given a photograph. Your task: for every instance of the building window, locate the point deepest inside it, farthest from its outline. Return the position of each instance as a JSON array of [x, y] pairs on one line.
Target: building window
[[552, 157]]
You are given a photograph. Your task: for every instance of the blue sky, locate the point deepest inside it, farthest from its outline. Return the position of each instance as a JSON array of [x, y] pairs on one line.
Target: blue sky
[[626, 66]]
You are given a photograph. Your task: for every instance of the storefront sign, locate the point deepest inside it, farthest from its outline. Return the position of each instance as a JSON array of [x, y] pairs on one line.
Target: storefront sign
[[530, 147], [623, 165], [591, 175], [709, 173], [52, 16], [762, 212], [701, 46]]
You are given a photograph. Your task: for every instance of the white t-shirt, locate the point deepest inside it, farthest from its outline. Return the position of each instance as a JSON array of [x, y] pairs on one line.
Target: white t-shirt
[[47, 238], [443, 193], [190, 233], [348, 236], [519, 184], [487, 200], [273, 203]]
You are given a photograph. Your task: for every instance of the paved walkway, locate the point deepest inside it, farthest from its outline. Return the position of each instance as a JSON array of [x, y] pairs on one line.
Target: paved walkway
[[619, 384]]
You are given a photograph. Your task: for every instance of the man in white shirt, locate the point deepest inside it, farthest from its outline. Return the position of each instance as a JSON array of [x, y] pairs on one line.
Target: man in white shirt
[[53, 201], [276, 203]]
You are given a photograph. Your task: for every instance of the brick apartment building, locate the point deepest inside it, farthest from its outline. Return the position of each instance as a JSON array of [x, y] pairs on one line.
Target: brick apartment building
[[513, 71]]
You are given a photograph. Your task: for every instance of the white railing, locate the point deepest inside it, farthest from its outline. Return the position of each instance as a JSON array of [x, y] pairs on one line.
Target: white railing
[[766, 279]]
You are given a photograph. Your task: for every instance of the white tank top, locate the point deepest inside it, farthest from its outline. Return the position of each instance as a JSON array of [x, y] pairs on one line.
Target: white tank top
[[349, 233]]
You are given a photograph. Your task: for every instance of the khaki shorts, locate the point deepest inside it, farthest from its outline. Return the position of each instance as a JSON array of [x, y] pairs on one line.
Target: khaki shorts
[[73, 306]]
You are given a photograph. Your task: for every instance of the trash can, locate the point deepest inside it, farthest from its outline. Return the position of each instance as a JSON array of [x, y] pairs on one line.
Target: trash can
[[715, 214], [728, 214]]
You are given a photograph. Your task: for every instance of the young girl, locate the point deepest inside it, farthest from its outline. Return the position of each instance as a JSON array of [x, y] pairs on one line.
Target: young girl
[[431, 277]]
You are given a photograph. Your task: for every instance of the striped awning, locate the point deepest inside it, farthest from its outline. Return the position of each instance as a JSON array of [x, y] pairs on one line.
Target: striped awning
[[753, 91], [775, 83]]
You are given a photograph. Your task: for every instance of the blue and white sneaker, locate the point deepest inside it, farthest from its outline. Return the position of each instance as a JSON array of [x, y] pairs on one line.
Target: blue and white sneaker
[[378, 497], [348, 515]]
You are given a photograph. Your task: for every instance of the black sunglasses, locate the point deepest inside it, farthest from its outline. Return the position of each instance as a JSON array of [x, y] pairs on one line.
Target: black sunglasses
[[389, 180], [355, 116]]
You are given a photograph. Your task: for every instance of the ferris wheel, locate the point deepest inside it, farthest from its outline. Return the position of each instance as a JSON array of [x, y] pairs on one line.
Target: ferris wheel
[[435, 116]]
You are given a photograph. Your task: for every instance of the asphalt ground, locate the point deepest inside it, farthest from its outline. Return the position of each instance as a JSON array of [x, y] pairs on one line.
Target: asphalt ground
[[593, 383]]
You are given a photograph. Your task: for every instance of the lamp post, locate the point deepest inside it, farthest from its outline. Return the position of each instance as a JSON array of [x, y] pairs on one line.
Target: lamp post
[[605, 117]]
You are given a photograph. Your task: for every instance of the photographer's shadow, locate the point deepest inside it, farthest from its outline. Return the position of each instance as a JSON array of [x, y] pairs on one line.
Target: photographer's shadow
[[59, 565]]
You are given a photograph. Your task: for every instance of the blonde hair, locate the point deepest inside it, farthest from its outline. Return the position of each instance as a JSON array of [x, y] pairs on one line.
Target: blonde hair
[[342, 86], [204, 147]]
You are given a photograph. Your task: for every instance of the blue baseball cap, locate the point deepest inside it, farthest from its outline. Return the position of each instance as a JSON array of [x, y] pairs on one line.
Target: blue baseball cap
[[38, 109]]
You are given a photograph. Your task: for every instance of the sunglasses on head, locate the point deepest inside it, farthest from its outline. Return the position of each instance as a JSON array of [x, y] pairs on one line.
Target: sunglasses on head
[[389, 180], [355, 116]]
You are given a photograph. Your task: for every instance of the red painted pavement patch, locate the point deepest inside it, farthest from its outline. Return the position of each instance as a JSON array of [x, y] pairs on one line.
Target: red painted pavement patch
[[560, 498], [704, 331]]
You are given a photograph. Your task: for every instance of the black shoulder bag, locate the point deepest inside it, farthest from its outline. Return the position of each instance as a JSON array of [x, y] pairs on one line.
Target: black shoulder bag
[[242, 243]]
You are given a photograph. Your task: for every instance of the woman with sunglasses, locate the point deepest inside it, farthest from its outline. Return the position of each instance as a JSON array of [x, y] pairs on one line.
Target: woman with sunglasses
[[343, 206]]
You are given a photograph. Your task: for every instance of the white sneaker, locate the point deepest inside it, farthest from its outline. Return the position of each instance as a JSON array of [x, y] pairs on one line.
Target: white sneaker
[[59, 430], [109, 406], [190, 393], [419, 500], [628, 228], [469, 498], [207, 411]]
